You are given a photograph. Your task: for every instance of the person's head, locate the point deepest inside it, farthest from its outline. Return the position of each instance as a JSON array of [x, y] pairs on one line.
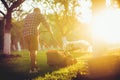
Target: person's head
[[36, 10]]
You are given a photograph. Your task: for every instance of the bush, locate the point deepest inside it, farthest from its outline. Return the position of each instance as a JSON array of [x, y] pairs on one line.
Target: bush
[[67, 73]]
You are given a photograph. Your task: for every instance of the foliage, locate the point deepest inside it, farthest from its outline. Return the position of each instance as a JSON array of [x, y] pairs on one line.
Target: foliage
[[64, 14], [65, 73], [63, 20], [10, 6], [61, 14], [17, 34], [17, 30]]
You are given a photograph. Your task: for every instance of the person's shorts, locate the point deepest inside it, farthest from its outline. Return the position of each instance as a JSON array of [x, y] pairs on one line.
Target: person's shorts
[[31, 42]]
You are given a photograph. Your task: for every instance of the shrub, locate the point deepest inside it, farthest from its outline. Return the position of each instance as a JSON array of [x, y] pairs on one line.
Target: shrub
[[67, 73]]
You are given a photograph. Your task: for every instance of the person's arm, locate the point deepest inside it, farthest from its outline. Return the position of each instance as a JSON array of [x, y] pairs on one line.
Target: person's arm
[[45, 23]]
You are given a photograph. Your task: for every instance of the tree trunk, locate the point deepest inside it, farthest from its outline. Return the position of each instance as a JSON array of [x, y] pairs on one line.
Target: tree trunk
[[7, 43], [7, 33], [18, 46], [10, 7]]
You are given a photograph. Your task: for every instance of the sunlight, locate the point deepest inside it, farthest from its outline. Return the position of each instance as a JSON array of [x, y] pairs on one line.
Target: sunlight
[[84, 13], [106, 26], [27, 5], [108, 3]]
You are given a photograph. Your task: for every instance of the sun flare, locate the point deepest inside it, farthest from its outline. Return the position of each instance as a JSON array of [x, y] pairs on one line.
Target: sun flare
[[106, 26]]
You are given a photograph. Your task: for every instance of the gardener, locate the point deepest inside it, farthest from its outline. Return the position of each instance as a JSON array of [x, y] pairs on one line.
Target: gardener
[[31, 35]]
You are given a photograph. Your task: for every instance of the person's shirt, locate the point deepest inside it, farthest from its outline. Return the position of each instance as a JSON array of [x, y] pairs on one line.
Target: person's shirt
[[32, 22]]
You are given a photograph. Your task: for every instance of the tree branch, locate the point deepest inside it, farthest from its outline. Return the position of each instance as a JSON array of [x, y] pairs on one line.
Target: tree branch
[[16, 4], [5, 4], [2, 13]]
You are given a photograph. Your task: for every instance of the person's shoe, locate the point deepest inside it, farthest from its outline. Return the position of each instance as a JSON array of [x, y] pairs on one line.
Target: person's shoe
[[33, 70], [30, 71]]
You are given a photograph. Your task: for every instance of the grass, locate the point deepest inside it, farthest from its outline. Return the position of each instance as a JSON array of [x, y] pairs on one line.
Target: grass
[[67, 73], [17, 67]]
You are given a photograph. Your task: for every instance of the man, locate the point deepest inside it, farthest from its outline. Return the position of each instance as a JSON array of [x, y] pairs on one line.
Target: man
[[31, 35]]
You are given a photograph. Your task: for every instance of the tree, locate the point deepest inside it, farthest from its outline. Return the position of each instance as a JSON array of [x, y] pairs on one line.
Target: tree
[[67, 20], [1, 33], [10, 6], [63, 10], [16, 30], [65, 15]]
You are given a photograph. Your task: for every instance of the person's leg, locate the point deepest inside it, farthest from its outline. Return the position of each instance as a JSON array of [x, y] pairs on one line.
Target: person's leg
[[33, 55], [33, 47]]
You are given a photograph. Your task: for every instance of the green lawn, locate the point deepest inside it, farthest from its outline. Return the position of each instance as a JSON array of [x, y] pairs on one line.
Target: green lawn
[[17, 67]]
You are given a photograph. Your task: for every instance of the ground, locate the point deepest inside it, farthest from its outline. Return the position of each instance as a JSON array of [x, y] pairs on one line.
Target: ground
[[16, 67]]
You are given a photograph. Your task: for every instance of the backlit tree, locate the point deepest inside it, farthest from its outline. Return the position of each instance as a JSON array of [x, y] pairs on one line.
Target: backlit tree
[[9, 6]]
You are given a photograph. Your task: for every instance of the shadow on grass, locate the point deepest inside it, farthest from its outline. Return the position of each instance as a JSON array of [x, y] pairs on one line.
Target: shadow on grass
[[17, 71], [6, 73]]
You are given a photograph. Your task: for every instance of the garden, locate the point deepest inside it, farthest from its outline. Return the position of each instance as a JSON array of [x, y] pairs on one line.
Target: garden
[[78, 39], [16, 67]]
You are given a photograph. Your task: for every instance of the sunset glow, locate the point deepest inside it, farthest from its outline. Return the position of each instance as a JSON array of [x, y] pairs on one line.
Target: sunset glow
[[106, 26]]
